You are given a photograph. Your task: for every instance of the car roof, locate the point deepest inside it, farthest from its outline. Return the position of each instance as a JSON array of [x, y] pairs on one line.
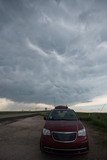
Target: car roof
[[61, 107]]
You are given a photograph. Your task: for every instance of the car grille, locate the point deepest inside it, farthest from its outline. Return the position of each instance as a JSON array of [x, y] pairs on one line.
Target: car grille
[[64, 136]]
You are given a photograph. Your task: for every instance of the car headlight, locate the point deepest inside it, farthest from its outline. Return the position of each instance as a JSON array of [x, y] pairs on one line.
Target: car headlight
[[82, 132], [46, 131]]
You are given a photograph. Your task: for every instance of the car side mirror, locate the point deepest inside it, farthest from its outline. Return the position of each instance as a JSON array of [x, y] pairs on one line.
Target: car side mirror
[[45, 117]]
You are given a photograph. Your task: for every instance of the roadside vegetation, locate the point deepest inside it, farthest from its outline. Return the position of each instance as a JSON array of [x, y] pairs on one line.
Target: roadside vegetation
[[14, 115], [4, 114], [11, 115], [98, 121]]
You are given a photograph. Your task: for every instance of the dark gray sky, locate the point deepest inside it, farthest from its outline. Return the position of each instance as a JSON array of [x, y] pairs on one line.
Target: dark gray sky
[[53, 51]]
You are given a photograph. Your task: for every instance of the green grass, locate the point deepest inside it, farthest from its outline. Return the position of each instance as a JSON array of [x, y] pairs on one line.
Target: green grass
[[9, 114], [14, 113], [97, 119]]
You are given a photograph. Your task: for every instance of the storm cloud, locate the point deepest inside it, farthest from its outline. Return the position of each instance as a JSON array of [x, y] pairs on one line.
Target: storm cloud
[[53, 51]]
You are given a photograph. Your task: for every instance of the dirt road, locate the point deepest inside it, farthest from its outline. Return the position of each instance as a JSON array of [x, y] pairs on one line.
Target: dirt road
[[20, 141]]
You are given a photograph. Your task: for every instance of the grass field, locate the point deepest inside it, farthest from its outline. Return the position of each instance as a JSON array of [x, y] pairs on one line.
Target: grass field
[[98, 122], [15, 114], [97, 119]]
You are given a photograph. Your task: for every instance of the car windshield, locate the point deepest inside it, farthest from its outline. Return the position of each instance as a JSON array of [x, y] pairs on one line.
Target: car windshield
[[62, 115]]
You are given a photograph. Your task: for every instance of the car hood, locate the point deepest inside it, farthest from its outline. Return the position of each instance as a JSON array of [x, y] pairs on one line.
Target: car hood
[[63, 126]]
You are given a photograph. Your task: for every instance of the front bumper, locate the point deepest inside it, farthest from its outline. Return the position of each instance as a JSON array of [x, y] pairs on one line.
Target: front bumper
[[79, 146], [66, 151]]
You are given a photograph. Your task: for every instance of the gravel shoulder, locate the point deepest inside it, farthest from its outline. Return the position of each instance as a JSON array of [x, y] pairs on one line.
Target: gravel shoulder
[[20, 140]]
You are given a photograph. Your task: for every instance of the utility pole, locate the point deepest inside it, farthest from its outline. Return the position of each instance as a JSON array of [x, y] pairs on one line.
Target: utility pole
[[54, 100], [101, 110], [102, 107]]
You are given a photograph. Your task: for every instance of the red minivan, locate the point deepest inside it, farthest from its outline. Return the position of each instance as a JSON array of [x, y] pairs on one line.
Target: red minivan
[[63, 133]]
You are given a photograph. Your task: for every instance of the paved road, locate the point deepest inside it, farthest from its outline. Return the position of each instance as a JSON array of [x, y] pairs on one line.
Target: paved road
[[20, 141]]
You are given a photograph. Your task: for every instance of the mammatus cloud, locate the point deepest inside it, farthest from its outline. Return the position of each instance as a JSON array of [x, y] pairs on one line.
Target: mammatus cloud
[[49, 54], [53, 51], [103, 45], [35, 48]]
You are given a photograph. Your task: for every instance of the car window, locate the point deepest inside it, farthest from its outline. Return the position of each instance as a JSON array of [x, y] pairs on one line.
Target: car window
[[62, 115]]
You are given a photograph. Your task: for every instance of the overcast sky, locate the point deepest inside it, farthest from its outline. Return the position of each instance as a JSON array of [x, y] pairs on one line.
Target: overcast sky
[[53, 51]]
